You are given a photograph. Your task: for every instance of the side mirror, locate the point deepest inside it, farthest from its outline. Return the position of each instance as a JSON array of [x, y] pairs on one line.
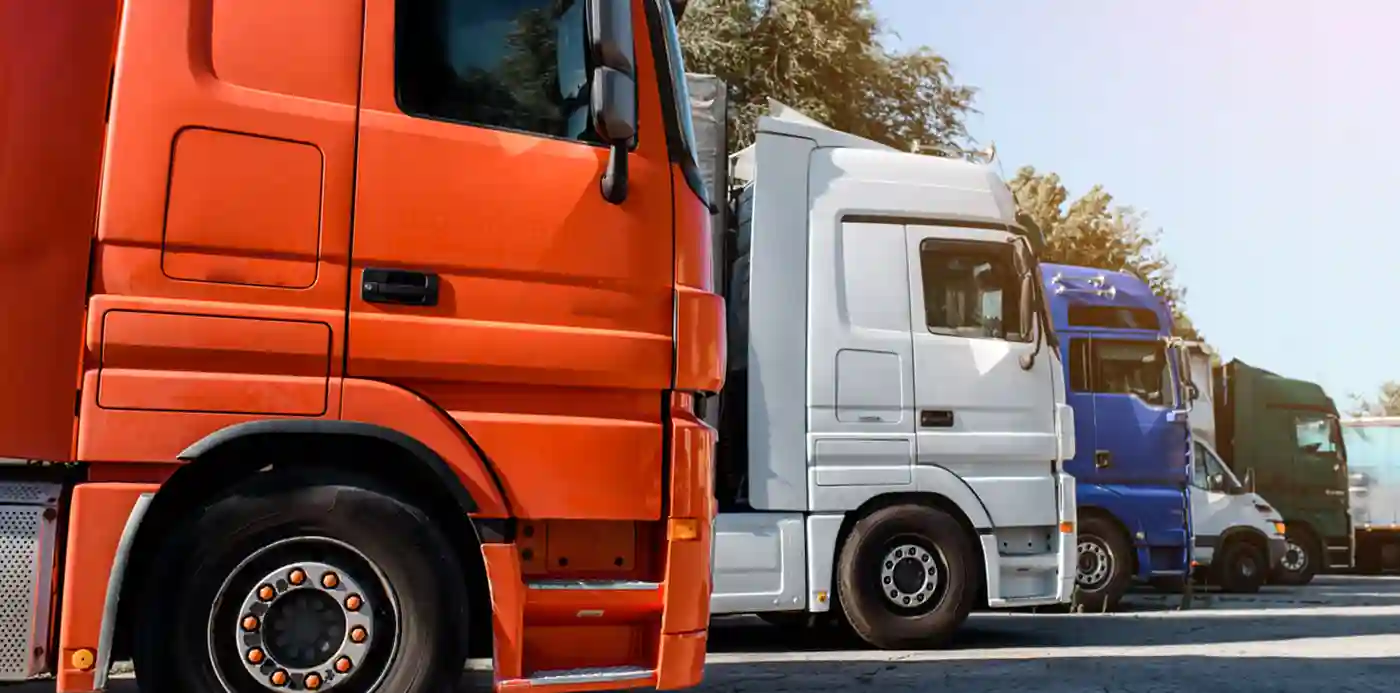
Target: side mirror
[[1026, 309], [1193, 393], [613, 98], [1249, 480]]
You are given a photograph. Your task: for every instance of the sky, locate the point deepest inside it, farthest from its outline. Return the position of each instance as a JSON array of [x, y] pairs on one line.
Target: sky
[[1261, 136]]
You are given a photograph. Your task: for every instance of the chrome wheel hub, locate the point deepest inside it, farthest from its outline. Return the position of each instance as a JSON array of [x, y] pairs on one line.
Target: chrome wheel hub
[[1095, 564], [908, 576], [1295, 559]]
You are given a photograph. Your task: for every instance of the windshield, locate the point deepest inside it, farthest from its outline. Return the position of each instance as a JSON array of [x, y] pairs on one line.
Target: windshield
[[676, 62]]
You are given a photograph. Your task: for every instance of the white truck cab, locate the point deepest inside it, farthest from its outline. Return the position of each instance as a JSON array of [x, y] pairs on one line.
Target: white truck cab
[[1239, 537], [894, 424]]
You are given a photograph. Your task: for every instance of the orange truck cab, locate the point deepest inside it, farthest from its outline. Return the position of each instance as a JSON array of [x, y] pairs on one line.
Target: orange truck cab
[[343, 340]]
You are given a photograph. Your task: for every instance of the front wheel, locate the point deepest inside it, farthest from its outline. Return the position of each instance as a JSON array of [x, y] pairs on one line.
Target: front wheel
[[907, 577], [298, 583], [1300, 561], [1242, 568], [1105, 569]]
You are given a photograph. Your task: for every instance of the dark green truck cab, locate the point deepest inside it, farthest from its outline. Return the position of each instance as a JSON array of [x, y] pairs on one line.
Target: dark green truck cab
[[1283, 436]]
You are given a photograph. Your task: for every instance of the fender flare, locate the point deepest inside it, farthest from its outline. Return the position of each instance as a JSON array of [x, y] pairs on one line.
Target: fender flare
[[937, 480]]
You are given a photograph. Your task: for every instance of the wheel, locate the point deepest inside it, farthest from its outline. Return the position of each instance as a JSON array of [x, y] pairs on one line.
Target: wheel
[[1105, 565], [1301, 561], [303, 581], [907, 577], [1242, 567]]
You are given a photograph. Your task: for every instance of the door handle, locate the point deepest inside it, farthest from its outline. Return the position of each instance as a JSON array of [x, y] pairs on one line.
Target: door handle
[[940, 418], [1102, 459], [404, 287]]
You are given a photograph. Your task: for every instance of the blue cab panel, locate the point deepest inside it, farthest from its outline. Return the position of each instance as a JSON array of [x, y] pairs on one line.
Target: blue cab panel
[[1123, 380]]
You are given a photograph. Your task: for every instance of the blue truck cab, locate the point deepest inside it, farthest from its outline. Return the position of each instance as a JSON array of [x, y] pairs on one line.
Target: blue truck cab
[[1124, 376]]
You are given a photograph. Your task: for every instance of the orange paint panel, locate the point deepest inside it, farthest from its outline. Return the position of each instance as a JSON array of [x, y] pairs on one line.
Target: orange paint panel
[[130, 435], [398, 409], [507, 608], [694, 250], [97, 517], [263, 44], [229, 393], [700, 341], [598, 546], [688, 585], [590, 608], [692, 466], [681, 661], [574, 468], [243, 210], [551, 648], [51, 134], [218, 344]]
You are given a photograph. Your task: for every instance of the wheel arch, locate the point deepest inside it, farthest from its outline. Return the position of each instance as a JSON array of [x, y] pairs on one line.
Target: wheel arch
[[1244, 533], [1087, 511], [404, 465]]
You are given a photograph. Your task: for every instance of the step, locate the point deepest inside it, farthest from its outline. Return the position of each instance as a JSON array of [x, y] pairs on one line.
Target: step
[[596, 601], [1035, 562], [621, 677]]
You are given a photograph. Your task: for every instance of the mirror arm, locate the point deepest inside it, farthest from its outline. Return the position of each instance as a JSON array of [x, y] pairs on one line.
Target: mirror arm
[[614, 181]]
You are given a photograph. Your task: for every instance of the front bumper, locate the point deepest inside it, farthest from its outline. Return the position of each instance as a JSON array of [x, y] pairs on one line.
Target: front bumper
[[1278, 546]]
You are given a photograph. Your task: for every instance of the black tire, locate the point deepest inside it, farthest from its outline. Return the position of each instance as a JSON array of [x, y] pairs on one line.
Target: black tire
[[951, 587], [1301, 561], [1102, 589], [415, 597], [1242, 567]]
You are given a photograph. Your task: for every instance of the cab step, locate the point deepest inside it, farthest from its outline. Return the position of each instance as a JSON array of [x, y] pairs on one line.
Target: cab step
[[611, 677], [595, 601]]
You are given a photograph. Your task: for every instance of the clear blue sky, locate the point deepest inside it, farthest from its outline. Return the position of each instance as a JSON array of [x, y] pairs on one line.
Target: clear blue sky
[[1261, 136]]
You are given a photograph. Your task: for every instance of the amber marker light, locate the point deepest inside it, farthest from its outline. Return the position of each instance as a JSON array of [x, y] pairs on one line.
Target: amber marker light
[[1066, 527], [683, 529]]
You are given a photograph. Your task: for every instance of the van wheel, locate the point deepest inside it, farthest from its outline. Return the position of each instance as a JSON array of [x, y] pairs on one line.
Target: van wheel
[[906, 577], [1242, 568], [1105, 569], [303, 581], [1300, 561]]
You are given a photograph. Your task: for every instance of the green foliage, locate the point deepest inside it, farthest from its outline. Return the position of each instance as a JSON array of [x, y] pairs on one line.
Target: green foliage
[[1092, 231], [827, 59], [1386, 403]]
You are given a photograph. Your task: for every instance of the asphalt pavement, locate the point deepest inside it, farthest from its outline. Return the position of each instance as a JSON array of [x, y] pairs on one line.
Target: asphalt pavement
[[1337, 635]]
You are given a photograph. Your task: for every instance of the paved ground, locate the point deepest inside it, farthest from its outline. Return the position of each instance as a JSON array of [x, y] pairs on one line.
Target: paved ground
[[1337, 635]]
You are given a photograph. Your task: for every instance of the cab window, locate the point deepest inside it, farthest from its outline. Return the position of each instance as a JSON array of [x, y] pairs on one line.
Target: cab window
[[971, 290], [518, 65], [1316, 434], [1137, 368]]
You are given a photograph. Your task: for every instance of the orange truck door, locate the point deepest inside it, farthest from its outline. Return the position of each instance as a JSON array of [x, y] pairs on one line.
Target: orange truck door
[[50, 161], [488, 273]]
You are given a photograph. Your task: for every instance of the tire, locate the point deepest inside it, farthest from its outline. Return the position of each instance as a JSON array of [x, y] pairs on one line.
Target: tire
[[1103, 584], [1242, 568], [923, 538], [192, 630], [1301, 562]]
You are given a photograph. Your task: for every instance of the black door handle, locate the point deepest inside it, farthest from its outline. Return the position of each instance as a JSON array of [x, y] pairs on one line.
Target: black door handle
[[1102, 458], [406, 287], [931, 418]]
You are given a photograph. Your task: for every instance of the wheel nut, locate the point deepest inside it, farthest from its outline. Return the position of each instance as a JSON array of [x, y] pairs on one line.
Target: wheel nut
[[266, 593], [330, 580], [250, 623], [311, 682], [255, 656], [353, 602], [343, 665], [278, 678], [296, 577], [358, 635]]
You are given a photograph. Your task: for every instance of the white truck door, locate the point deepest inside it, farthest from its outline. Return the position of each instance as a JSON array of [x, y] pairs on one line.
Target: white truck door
[[1211, 511], [978, 412]]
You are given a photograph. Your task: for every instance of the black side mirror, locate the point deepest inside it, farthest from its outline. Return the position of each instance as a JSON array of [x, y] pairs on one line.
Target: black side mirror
[[613, 98], [1192, 392]]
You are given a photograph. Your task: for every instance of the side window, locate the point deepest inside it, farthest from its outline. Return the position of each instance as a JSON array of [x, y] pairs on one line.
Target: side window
[[1199, 472], [510, 64], [1079, 365], [971, 290], [1132, 368], [1315, 434]]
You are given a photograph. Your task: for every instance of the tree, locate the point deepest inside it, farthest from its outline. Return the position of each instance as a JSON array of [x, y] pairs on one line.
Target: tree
[[826, 58], [1387, 402], [1094, 232]]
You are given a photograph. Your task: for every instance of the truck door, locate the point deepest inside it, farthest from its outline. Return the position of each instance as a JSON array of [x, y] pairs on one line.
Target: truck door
[[1319, 463], [488, 272], [980, 414], [1080, 395]]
